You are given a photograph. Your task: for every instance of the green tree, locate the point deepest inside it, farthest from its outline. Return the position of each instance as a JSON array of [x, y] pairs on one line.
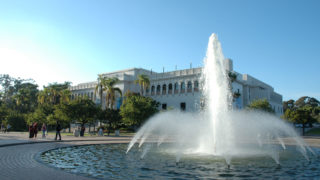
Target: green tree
[[304, 111], [136, 109], [81, 110], [232, 77], [99, 87], [111, 92], [288, 104], [112, 118], [302, 115], [26, 97], [260, 104], [16, 120], [4, 111], [108, 85], [54, 94], [143, 81]]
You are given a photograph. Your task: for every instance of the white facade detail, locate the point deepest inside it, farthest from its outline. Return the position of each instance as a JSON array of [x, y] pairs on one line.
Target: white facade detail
[[181, 89]]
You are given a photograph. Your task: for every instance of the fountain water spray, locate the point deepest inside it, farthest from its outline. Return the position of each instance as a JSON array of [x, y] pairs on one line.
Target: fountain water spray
[[218, 130]]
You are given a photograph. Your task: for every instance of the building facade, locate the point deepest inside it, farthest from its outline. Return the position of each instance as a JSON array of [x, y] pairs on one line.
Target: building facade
[[181, 89]]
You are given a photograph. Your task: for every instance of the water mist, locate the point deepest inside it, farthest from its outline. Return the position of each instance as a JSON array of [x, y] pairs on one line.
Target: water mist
[[218, 130]]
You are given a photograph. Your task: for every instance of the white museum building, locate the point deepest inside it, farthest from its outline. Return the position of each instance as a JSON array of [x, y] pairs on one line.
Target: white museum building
[[181, 89]]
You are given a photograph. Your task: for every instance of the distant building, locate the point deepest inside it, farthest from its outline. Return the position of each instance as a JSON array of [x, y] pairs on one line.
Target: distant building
[[181, 89]]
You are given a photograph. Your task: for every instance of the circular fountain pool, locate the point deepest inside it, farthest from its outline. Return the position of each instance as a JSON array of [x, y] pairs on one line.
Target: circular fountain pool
[[110, 161]]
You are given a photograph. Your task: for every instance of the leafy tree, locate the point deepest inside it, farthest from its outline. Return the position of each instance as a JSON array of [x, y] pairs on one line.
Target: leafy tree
[[4, 111], [112, 118], [99, 87], [232, 77], [54, 94], [16, 120], [107, 85], [39, 115], [304, 111], [136, 109], [26, 97], [111, 91], [81, 110], [288, 105], [301, 115], [261, 104], [143, 81], [305, 100]]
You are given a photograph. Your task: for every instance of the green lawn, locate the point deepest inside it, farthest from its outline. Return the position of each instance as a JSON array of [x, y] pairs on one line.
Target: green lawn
[[96, 134], [314, 132]]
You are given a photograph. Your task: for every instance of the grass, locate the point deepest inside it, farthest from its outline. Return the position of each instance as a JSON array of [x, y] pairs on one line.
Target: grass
[[96, 134], [314, 132]]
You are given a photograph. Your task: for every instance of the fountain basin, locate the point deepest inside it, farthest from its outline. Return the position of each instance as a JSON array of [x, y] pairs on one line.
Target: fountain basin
[[109, 161]]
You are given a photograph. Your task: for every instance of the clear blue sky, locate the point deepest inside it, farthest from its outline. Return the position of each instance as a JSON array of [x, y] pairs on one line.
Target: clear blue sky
[[276, 41]]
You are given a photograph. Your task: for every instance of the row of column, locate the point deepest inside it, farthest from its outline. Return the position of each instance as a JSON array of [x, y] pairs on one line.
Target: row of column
[[176, 88]]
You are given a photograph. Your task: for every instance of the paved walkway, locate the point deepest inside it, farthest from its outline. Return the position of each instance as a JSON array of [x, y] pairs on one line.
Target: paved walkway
[[19, 155]]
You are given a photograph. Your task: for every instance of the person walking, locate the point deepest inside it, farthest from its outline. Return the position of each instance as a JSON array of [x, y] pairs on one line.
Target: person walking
[[44, 128], [58, 129], [35, 129], [83, 129], [31, 131]]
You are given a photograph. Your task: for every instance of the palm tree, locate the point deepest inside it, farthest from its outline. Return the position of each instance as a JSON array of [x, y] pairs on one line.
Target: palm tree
[[99, 86], [108, 86], [143, 81], [54, 94]]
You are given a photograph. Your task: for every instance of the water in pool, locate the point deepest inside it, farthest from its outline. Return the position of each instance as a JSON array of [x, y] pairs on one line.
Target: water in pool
[[109, 161]]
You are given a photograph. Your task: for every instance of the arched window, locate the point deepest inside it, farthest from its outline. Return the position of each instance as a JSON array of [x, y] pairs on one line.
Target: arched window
[[189, 86], [176, 88], [183, 87], [196, 86], [158, 90], [170, 89], [147, 90], [164, 89], [91, 95], [72, 97], [152, 90]]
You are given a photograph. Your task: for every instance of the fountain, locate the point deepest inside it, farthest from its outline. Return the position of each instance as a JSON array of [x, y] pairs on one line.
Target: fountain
[[218, 130], [199, 145]]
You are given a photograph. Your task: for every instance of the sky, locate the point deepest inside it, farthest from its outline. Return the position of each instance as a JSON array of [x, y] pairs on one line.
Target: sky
[[75, 40]]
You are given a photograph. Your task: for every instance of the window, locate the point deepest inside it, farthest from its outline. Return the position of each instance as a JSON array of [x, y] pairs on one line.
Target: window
[[164, 106], [170, 89], [189, 86], [147, 90], [182, 88], [164, 89], [183, 106], [152, 90], [158, 89], [196, 86], [176, 88]]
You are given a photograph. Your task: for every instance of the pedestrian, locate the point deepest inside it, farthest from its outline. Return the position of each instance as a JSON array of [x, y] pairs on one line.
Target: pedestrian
[[83, 129], [58, 129], [43, 128], [31, 131], [35, 129], [2, 127], [100, 133]]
